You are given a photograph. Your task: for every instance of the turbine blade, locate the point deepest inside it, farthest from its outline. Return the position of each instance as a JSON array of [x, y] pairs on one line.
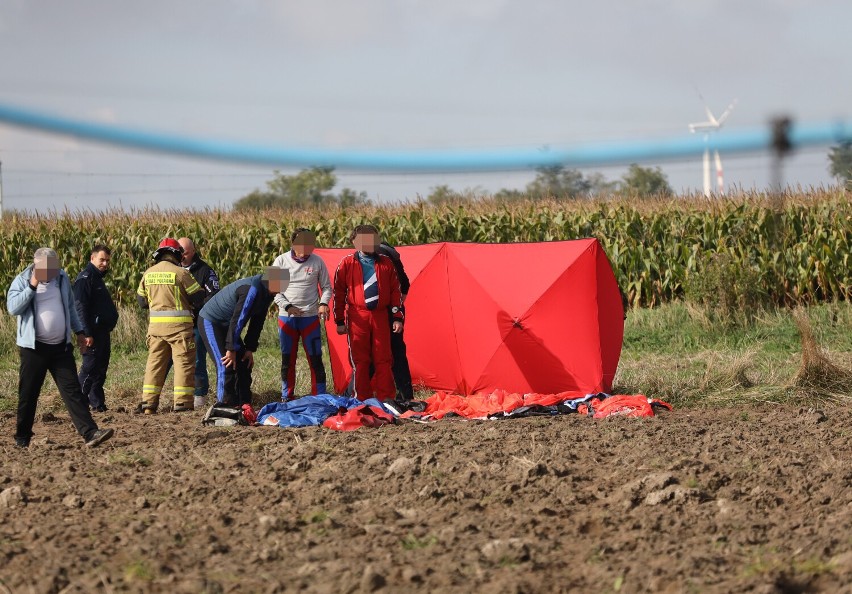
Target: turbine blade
[[727, 112], [710, 116]]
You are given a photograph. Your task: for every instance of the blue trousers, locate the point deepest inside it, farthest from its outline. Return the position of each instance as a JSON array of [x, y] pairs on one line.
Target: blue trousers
[[291, 329]]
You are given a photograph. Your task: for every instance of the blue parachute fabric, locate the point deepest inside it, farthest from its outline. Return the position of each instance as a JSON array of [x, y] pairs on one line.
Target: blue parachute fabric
[[309, 410]]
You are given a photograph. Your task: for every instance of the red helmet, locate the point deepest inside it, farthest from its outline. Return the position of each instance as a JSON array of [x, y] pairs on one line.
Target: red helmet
[[168, 245]]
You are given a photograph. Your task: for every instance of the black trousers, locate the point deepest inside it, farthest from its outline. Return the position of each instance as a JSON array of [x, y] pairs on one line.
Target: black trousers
[[58, 359], [93, 370], [399, 368], [233, 386]]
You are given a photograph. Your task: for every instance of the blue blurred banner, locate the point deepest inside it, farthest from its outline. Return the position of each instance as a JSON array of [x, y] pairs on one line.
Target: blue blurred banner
[[603, 153]]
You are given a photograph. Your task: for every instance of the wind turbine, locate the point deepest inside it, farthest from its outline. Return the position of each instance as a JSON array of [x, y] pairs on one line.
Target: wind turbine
[[712, 124]]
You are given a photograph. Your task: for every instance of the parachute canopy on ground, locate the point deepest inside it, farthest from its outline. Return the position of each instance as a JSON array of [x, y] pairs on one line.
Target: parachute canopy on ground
[[522, 317]]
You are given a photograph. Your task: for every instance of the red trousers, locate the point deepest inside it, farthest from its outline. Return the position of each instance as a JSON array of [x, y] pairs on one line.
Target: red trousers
[[369, 344]]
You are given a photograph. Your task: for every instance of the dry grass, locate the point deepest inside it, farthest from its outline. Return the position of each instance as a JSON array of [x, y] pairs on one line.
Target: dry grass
[[818, 376]]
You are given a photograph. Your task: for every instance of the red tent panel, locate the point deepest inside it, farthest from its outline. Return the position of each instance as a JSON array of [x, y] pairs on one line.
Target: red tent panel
[[535, 317]]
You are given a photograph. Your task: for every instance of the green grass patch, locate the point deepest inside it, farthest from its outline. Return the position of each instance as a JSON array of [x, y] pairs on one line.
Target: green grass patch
[[139, 570], [412, 542], [125, 458]]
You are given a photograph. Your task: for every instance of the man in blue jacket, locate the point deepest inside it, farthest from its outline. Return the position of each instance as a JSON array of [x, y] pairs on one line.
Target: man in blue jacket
[[42, 299], [97, 311], [243, 303]]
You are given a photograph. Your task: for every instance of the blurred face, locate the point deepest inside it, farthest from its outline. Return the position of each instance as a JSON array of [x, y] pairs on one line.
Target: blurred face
[[101, 261], [279, 279], [304, 244], [366, 242], [46, 270], [188, 251]]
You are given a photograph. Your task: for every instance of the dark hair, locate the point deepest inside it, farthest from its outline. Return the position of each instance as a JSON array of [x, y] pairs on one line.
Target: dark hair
[[297, 232], [99, 247], [363, 229]]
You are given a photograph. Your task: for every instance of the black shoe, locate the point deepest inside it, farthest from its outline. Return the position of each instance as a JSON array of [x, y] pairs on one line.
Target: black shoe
[[183, 407], [99, 436], [22, 443], [102, 408]]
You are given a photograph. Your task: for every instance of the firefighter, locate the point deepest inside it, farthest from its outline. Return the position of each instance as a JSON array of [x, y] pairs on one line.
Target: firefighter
[[366, 291], [171, 294]]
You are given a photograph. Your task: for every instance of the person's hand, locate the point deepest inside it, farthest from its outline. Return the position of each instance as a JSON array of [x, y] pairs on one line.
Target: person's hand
[[323, 312], [397, 326], [341, 328], [294, 311], [89, 341], [81, 343], [230, 359], [249, 357], [34, 280]]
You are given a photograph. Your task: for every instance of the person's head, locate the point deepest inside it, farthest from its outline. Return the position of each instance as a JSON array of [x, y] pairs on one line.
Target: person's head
[[188, 250], [304, 242], [45, 264], [100, 257], [365, 238], [170, 250], [275, 279]]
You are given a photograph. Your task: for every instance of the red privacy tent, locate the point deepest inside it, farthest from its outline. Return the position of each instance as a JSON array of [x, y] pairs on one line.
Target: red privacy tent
[[522, 317]]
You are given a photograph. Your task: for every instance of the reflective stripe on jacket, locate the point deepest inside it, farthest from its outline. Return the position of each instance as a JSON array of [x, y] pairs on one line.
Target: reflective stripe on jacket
[[171, 293]]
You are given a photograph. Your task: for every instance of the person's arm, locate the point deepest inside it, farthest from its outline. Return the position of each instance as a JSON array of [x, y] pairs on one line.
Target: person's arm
[[77, 326], [324, 284], [339, 293], [245, 295], [395, 296], [82, 302], [19, 296], [211, 284], [255, 325], [195, 292], [142, 294]]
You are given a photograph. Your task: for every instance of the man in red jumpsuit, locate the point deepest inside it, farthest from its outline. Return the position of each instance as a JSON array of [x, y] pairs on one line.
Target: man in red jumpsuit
[[366, 288]]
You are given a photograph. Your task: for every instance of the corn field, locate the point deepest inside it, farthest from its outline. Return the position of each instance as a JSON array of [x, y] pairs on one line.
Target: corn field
[[799, 252]]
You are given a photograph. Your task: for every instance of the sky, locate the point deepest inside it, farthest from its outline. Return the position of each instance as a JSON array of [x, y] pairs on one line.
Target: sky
[[402, 75]]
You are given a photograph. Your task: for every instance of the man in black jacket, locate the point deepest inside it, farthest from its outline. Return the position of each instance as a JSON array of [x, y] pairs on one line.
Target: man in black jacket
[[208, 279], [97, 311]]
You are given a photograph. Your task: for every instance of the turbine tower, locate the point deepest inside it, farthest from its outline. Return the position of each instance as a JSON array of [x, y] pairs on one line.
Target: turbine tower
[[712, 124]]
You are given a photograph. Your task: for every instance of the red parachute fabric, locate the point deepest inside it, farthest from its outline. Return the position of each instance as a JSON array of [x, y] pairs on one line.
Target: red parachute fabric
[[523, 317], [623, 405], [478, 406], [355, 418]]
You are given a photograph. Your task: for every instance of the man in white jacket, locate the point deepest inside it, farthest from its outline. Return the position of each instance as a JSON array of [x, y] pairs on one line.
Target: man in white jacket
[[302, 309]]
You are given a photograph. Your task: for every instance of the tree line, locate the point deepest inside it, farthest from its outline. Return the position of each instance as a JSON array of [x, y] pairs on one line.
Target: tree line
[[314, 186]]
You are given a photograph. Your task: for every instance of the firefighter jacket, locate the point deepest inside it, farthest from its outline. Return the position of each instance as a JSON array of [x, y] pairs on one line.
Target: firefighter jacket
[[171, 294], [349, 287]]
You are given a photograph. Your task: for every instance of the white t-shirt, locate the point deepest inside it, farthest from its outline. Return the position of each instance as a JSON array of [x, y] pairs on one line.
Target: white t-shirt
[[302, 291], [50, 313]]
